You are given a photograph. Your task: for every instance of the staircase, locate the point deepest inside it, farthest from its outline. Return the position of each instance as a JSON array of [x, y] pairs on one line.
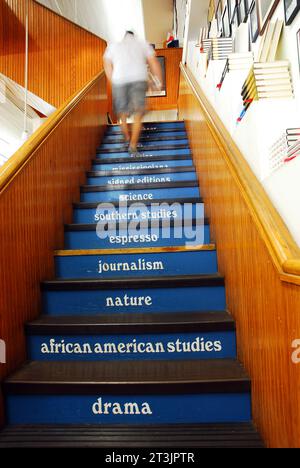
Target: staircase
[[135, 347]]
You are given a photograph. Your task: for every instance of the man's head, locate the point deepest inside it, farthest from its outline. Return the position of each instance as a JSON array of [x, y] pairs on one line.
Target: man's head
[[129, 33]]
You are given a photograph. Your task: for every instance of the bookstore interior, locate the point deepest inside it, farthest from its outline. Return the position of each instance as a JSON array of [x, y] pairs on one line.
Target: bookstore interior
[[246, 58]]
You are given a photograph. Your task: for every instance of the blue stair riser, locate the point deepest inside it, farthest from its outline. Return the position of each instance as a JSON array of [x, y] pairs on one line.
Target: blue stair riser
[[191, 346], [143, 409], [165, 211], [156, 300], [142, 179], [133, 238], [147, 135], [143, 166], [150, 127], [147, 154], [134, 265], [111, 146], [141, 195]]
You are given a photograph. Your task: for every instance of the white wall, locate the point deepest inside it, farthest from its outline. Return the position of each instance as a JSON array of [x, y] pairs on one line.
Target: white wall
[[108, 19], [263, 123], [158, 19]]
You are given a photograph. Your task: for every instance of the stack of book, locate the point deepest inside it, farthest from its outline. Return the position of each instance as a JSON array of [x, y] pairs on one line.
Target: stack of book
[[268, 80], [203, 35], [240, 61], [292, 136], [221, 48], [236, 62], [286, 148], [206, 46], [277, 153], [293, 143]]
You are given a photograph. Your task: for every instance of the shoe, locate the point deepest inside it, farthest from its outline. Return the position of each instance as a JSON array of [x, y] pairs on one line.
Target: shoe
[[134, 153]]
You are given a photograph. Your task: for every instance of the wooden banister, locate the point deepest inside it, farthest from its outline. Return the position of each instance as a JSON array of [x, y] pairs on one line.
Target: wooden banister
[[24, 154], [37, 187], [282, 248]]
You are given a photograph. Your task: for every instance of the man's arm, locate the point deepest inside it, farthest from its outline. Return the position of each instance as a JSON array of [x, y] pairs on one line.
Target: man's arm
[[155, 68], [108, 68]]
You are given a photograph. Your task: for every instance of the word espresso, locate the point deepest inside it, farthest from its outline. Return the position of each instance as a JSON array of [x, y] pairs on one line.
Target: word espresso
[[131, 347], [2, 352]]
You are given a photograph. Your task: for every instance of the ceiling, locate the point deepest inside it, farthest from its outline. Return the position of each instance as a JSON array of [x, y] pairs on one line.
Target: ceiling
[[108, 19]]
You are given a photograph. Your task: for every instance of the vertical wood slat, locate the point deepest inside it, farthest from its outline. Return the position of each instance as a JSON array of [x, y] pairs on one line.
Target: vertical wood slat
[[266, 309], [62, 56], [33, 210]]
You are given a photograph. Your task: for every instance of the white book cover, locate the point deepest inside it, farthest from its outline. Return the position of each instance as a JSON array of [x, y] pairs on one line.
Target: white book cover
[[242, 39], [275, 41], [266, 42]]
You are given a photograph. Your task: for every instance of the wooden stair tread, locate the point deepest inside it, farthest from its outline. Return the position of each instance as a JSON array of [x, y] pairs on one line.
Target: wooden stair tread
[[132, 323], [154, 202], [144, 138], [144, 250], [146, 148], [168, 436], [141, 172], [151, 377], [136, 283], [142, 159], [161, 185], [143, 223]]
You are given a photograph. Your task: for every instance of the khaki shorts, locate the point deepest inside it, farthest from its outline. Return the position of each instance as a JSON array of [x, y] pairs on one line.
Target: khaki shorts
[[130, 98]]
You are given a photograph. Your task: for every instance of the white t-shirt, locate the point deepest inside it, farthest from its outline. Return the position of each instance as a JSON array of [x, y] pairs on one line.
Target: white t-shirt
[[129, 59]]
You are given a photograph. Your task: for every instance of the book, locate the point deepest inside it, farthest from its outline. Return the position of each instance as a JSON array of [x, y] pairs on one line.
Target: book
[[266, 42], [275, 41], [293, 131], [276, 64]]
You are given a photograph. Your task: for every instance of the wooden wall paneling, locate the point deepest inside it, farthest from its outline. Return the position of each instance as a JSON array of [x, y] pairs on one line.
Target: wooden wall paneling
[[173, 59], [62, 56], [33, 209], [265, 308]]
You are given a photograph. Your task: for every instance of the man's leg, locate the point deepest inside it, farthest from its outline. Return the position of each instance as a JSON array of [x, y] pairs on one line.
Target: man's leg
[[136, 131], [137, 99], [124, 126]]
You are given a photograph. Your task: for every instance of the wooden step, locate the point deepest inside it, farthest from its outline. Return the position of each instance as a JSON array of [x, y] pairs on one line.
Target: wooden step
[[112, 188], [135, 283], [144, 148], [132, 323], [146, 137], [153, 202], [141, 159], [156, 250], [169, 170], [145, 224], [242, 435], [124, 378]]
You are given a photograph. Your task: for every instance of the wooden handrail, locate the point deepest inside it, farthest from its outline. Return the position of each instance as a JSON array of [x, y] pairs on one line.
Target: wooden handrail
[[283, 249], [24, 154]]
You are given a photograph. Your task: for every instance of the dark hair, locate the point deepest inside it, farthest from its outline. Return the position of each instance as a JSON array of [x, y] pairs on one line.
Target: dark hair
[[129, 32]]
